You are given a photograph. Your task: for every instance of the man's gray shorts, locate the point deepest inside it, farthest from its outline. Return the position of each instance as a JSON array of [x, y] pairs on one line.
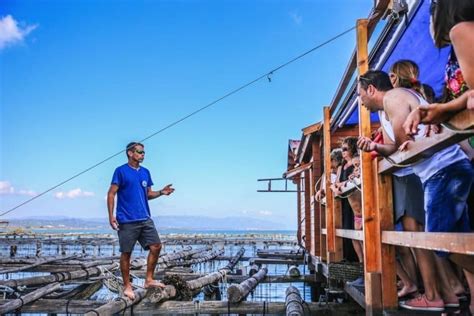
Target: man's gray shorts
[[143, 232]]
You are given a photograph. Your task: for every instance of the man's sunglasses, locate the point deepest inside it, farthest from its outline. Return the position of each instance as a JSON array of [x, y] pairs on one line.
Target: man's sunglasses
[[140, 152]]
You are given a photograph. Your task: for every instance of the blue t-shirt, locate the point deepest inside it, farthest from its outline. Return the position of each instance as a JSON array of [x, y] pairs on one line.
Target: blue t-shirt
[[132, 200]]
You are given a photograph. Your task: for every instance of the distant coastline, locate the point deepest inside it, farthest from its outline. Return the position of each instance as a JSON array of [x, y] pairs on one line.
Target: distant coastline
[[165, 224]]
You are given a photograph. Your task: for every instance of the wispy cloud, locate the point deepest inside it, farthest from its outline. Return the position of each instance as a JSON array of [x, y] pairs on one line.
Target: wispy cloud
[[265, 213], [7, 189], [11, 33], [296, 17], [73, 194]]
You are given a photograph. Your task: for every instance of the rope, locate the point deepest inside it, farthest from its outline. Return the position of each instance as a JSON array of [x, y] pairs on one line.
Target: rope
[[234, 91], [67, 306]]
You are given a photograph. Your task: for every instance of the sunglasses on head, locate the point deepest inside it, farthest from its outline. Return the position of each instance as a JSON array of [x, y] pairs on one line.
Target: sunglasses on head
[[362, 78], [344, 148]]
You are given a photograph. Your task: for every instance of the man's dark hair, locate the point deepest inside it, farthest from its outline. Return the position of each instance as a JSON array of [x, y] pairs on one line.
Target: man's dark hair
[[378, 78], [448, 13], [131, 147]]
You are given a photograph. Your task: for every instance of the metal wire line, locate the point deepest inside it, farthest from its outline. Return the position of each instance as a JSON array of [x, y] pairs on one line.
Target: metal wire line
[[266, 75]]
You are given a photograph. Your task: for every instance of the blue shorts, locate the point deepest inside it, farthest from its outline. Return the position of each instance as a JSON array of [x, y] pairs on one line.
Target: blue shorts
[[144, 232], [446, 194]]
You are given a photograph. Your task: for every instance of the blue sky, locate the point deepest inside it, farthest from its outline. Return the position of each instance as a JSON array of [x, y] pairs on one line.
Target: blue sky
[[80, 79]]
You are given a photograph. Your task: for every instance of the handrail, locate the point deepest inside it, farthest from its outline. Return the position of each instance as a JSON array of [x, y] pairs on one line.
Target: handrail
[[458, 125]]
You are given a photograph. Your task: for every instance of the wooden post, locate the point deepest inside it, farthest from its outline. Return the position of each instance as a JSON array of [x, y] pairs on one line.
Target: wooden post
[[334, 251], [389, 277], [298, 209], [238, 292], [307, 210], [370, 214], [316, 150]]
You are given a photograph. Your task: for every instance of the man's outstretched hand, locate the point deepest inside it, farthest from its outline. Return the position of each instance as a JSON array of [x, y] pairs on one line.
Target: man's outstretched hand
[[167, 190]]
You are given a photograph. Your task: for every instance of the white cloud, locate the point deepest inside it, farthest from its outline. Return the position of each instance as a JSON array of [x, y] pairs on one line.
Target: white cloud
[[11, 33], [265, 213], [73, 194], [296, 17], [7, 189]]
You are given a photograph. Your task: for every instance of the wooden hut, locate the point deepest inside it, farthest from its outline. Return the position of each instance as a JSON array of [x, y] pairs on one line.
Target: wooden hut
[[402, 34]]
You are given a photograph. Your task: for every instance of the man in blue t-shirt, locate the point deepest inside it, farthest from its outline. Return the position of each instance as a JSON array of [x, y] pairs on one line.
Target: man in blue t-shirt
[[132, 185]]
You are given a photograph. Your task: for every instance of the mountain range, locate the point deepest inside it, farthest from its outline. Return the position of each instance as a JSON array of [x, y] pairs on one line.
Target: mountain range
[[162, 222]]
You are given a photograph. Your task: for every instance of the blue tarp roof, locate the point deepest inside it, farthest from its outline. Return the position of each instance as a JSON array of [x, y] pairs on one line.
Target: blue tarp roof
[[416, 44]]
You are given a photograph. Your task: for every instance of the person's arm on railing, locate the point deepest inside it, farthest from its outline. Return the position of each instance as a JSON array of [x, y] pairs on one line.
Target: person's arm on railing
[[437, 112]]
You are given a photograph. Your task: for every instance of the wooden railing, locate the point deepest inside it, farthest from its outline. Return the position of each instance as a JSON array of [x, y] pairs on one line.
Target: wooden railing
[[377, 234]]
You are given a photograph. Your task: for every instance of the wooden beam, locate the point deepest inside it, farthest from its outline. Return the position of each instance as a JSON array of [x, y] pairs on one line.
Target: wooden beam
[[298, 213], [296, 171], [338, 250], [316, 174], [330, 225], [425, 147], [180, 307], [389, 275], [372, 244], [357, 295], [275, 261], [350, 234], [27, 298], [452, 242], [307, 210], [312, 129]]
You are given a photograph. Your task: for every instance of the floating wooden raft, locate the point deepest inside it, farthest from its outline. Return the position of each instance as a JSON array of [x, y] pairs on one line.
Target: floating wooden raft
[[293, 302], [238, 292]]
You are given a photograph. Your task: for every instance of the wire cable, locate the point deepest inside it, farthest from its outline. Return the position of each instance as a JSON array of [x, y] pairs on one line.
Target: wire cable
[[266, 75]]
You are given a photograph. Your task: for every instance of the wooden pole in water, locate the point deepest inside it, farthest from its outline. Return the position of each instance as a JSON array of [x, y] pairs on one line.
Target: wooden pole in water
[[30, 297], [293, 302], [116, 306], [58, 277], [37, 263], [238, 292], [198, 259]]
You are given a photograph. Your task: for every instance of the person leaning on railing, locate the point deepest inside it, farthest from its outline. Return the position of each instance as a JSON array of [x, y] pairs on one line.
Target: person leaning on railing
[[452, 22], [447, 176]]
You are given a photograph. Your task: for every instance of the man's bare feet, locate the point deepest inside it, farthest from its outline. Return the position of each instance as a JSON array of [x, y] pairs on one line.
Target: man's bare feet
[[128, 292], [154, 283]]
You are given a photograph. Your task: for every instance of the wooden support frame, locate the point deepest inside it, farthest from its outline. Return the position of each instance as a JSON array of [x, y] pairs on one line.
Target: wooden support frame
[[454, 242], [370, 213], [333, 216], [389, 274], [316, 174], [307, 210]]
